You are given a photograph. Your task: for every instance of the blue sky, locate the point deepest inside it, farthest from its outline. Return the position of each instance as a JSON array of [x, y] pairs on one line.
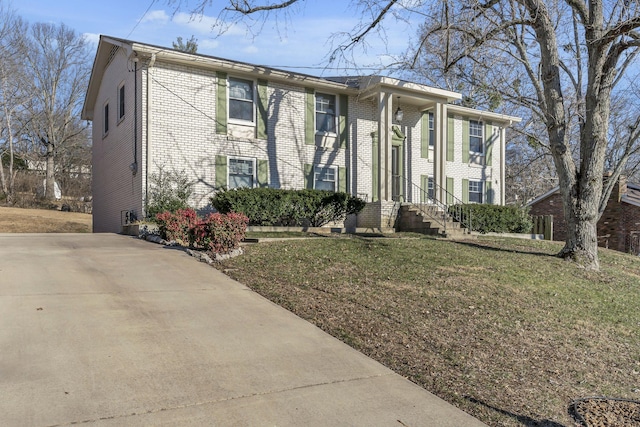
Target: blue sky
[[299, 39]]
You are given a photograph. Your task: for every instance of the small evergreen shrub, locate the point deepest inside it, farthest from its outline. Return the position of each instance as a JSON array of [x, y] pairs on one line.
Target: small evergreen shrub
[[277, 207], [168, 191], [486, 218]]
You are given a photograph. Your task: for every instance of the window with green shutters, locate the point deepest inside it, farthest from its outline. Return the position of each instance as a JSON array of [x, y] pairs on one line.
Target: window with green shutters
[[244, 102], [237, 172], [326, 114], [321, 177]]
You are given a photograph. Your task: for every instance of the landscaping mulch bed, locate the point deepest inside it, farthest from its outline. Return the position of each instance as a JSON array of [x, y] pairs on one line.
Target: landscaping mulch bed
[[606, 412]]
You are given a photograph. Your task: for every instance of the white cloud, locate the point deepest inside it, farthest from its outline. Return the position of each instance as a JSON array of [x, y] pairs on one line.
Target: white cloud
[[208, 44], [203, 24], [250, 49], [155, 16]]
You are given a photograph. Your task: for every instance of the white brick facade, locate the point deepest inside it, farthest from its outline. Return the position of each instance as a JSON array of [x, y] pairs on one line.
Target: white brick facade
[[177, 130]]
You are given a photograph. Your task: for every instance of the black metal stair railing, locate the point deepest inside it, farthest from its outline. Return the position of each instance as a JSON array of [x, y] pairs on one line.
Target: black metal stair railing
[[424, 200]]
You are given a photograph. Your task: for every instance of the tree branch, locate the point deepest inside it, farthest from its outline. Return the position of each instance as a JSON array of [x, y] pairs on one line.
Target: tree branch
[[355, 39], [246, 8], [580, 8]]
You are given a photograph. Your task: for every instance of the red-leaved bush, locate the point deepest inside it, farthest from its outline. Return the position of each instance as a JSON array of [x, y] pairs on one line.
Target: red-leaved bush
[[219, 233], [176, 225]]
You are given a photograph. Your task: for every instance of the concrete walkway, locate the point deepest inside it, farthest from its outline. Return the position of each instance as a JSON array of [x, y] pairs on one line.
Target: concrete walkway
[[110, 330]]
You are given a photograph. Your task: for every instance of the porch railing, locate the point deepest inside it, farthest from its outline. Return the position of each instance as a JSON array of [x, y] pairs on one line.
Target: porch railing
[[425, 201]]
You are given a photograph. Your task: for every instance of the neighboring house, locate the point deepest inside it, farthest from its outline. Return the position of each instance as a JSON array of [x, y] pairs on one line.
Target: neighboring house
[[619, 225], [228, 124]]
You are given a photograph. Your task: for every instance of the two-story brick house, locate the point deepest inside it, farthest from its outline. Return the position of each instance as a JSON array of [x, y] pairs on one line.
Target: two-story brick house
[[227, 124]]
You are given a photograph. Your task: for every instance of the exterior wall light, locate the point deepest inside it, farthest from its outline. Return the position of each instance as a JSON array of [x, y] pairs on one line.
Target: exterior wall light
[[399, 114]]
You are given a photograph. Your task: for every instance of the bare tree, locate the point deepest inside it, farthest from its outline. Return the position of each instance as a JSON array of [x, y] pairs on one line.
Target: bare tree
[[12, 97], [58, 68]]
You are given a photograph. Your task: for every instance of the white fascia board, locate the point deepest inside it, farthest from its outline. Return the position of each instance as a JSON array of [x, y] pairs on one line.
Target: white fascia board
[[480, 114], [373, 85], [238, 68]]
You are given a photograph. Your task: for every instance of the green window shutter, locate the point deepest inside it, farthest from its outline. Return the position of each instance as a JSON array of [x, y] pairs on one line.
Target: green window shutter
[[263, 102], [488, 143], [263, 173], [488, 192], [308, 176], [465, 191], [449, 188], [221, 104], [424, 188], [424, 135], [221, 172], [342, 180], [343, 121], [465, 140], [450, 139], [309, 117]]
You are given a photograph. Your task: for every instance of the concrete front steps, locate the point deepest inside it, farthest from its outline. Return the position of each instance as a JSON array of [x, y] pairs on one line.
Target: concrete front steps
[[429, 220]]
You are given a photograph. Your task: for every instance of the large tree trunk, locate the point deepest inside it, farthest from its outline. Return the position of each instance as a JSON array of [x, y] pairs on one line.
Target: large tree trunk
[[581, 216]]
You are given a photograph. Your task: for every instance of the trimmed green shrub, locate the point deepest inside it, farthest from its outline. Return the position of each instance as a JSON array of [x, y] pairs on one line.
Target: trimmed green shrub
[[277, 207], [485, 218]]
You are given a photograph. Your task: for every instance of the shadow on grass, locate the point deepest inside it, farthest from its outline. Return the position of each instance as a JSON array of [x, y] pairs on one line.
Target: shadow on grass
[[525, 420], [509, 250]]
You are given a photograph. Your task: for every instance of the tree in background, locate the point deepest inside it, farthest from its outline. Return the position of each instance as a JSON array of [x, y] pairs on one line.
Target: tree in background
[[13, 99], [190, 46], [58, 67], [567, 59]]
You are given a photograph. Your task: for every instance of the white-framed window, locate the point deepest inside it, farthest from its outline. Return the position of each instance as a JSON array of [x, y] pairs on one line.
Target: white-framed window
[[324, 178], [241, 100], [476, 137], [242, 172], [121, 101], [432, 133], [105, 119], [476, 190], [326, 113]]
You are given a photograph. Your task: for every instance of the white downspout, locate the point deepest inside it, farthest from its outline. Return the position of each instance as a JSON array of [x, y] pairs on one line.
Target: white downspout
[[147, 110]]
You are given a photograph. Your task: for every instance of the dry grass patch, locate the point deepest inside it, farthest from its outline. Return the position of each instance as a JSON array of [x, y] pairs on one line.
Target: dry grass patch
[[18, 220], [498, 327]]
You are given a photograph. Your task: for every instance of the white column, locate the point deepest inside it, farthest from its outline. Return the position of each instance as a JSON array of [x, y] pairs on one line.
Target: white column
[[503, 143], [440, 150], [384, 144]]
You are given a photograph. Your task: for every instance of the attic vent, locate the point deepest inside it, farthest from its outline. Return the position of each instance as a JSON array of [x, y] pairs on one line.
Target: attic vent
[[114, 50]]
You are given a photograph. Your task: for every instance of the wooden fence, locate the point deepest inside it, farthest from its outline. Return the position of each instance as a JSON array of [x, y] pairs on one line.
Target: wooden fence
[[543, 224]]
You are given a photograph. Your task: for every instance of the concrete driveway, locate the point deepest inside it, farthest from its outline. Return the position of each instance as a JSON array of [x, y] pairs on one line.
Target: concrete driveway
[[110, 330]]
